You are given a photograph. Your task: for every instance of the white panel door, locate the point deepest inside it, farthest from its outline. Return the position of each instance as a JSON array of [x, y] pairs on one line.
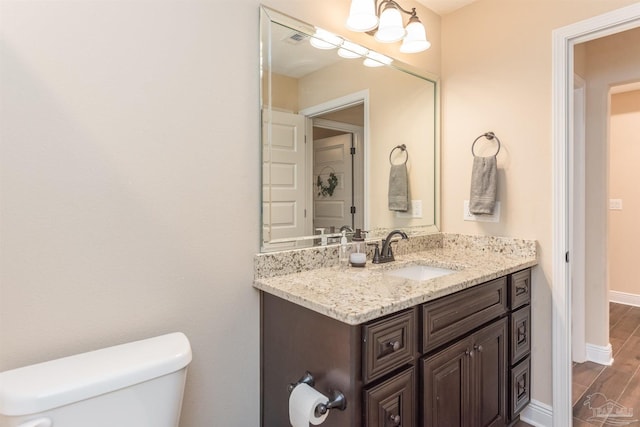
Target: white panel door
[[333, 154], [283, 173]]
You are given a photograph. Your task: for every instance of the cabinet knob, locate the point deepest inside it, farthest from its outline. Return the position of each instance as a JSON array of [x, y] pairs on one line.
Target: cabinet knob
[[478, 348], [395, 419], [395, 345]]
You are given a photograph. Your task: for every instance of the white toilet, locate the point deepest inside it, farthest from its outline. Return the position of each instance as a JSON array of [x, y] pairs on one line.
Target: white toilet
[[138, 384]]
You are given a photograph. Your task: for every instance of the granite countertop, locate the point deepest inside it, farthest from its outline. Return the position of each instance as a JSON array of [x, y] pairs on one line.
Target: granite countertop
[[357, 295]]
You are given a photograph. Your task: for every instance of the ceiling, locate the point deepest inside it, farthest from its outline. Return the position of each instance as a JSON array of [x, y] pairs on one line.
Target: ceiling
[[442, 7]]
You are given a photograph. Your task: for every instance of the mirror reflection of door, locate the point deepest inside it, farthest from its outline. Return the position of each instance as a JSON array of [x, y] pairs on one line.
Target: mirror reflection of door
[[292, 206], [332, 155], [338, 147], [284, 179]]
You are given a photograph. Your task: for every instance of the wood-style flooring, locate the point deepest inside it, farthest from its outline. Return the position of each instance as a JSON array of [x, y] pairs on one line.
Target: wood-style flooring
[[614, 389]]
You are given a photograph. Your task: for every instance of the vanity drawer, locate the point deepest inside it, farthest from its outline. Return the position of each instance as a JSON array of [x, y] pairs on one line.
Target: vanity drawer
[[391, 403], [519, 387], [520, 333], [388, 344], [520, 288], [450, 317]]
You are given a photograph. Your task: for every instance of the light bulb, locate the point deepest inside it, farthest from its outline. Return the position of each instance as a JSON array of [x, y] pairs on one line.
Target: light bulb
[[323, 39], [375, 59], [362, 15], [416, 38], [351, 50], [390, 28]]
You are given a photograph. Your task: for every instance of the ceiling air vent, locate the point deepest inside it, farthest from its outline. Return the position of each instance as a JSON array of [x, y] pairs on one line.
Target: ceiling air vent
[[296, 38]]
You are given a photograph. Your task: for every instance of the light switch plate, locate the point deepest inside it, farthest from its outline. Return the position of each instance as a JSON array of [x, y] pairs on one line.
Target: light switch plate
[[615, 204], [415, 212], [468, 216]]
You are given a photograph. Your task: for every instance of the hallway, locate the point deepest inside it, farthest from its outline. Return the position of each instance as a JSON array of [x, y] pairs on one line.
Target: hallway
[[617, 386]]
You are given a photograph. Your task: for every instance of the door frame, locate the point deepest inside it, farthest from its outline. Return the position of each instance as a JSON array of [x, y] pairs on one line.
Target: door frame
[[577, 227], [360, 97], [563, 41], [357, 133]]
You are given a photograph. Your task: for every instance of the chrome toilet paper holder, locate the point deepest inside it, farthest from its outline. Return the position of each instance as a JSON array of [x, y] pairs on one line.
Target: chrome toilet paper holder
[[337, 400]]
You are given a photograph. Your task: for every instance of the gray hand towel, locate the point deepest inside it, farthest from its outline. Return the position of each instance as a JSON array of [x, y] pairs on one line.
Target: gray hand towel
[[398, 188], [484, 183]]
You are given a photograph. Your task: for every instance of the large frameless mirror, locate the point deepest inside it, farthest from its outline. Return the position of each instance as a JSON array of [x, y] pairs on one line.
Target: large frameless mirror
[[332, 127]]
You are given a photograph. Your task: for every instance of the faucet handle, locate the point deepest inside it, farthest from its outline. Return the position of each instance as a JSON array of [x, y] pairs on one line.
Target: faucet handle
[[376, 253]]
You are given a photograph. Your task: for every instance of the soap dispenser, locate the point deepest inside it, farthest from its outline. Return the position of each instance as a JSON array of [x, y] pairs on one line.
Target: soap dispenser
[[344, 250], [358, 256]]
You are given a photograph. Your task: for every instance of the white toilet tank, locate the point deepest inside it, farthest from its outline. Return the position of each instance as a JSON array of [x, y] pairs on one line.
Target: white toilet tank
[[138, 384]]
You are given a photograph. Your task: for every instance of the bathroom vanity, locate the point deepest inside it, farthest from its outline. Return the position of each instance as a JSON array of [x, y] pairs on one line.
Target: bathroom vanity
[[448, 351]]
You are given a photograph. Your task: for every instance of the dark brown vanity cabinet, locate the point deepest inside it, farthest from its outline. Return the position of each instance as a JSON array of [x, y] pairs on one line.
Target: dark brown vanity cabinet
[[460, 360], [465, 384]]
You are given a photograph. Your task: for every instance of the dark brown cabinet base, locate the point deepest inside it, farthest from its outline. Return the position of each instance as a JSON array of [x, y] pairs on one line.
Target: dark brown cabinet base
[[427, 366], [465, 384]]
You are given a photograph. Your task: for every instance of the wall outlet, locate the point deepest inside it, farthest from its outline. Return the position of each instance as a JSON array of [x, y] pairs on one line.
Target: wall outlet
[[615, 204], [468, 216], [415, 211]]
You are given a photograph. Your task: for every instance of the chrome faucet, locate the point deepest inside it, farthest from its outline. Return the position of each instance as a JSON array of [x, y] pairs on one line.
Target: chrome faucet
[[386, 253]]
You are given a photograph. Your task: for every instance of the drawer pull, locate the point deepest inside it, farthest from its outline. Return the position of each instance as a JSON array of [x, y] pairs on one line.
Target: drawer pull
[[522, 333], [395, 345], [522, 289], [522, 388], [395, 419]]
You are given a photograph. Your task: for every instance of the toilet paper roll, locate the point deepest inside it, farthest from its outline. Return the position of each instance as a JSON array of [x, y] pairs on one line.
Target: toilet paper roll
[[303, 401]]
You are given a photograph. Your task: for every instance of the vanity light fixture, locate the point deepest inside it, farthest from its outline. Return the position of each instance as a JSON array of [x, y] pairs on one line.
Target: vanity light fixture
[[375, 59], [386, 16], [352, 50], [323, 39]]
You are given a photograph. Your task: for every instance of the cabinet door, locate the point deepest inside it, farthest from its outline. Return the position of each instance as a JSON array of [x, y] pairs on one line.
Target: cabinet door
[[446, 397], [391, 403], [489, 379]]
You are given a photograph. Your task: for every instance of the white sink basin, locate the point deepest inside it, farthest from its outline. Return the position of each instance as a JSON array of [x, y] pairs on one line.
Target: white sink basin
[[419, 272]]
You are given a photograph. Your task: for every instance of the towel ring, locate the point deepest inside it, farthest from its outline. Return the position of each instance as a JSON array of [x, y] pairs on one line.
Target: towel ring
[[489, 136], [401, 147]]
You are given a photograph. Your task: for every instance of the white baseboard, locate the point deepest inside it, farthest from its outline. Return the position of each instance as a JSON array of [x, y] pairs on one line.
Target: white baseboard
[[599, 354], [537, 414], [624, 298]]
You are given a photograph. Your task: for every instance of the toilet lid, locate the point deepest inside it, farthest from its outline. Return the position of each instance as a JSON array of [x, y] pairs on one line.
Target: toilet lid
[[37, 388]]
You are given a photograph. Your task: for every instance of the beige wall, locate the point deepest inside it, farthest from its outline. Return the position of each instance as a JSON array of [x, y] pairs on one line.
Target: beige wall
[[496, 71], [624, 175], [610, 61], [129, 191], [284, 92]]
